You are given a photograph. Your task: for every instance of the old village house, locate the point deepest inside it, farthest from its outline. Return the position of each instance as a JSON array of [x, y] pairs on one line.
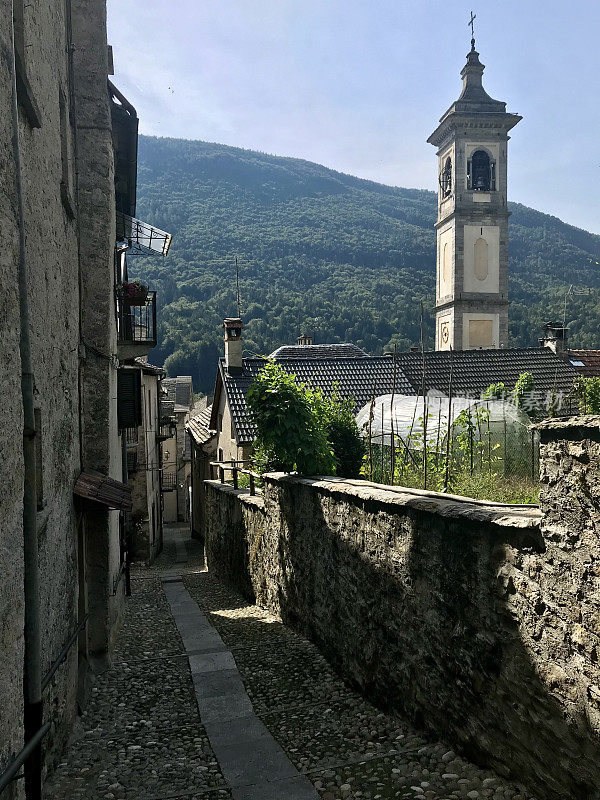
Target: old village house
[[71, 384]]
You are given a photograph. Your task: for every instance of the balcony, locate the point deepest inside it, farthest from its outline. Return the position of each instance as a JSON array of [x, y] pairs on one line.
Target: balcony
[[136, 326], [131, 436], [169, 481]]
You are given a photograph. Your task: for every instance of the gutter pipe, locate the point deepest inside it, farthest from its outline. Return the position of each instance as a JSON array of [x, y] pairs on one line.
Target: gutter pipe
[[32, 668]]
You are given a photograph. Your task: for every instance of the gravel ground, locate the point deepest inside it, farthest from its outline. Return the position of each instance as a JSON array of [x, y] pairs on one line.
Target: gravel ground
[[141, 737], [345, 746]]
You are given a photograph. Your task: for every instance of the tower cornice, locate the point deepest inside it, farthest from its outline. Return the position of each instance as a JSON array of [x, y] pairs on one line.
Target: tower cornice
[[458, 124], [498, 213]]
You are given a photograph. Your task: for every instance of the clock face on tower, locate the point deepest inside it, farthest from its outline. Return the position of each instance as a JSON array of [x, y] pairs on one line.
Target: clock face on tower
[[445, 332]]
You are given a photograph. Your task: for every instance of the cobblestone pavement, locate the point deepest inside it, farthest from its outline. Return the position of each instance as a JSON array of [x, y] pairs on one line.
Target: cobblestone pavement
[[141, 737]]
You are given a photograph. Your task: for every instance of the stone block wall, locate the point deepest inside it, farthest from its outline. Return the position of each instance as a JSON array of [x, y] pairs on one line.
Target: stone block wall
[[473, 619]]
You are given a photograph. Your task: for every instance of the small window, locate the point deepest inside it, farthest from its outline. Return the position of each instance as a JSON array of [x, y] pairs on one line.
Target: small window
[[220, 423]]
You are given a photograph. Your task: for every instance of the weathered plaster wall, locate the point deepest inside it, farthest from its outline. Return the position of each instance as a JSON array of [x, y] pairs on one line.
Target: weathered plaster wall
[[145, 483], [55, 213], [226, 437], [52, 266], [11, 433], [101, 442], [455, 613]]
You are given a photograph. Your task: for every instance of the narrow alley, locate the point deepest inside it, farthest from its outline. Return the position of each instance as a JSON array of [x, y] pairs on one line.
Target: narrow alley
[[209, 698]]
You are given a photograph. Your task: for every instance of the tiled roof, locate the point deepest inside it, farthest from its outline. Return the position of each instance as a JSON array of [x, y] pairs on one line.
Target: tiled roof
[[180, 390], [147, 367], [343, 350], [474, 370], [198, 425], [586, 362], [100, 488], [357, 377], [364, 376]]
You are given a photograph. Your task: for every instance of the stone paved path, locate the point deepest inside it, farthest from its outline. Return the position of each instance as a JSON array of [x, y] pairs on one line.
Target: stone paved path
[[210, 698]]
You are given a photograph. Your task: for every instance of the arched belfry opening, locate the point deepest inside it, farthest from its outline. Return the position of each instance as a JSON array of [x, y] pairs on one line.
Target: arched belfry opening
[[446, 178], [481, 172]]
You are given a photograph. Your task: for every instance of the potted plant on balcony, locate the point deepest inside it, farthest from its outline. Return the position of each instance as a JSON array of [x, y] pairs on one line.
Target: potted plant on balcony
[[134, 293]]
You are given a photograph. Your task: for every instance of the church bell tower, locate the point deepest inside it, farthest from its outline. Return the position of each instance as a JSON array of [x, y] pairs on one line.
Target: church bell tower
[[472, 223]]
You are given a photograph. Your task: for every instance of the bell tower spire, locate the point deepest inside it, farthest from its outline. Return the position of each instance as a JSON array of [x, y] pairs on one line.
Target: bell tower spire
[[472, 223]]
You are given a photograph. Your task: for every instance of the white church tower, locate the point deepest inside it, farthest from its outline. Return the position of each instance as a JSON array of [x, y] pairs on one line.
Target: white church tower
[[472, 224]]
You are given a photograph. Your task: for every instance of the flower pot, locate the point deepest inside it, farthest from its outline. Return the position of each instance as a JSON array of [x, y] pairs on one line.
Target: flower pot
[[134, 294]]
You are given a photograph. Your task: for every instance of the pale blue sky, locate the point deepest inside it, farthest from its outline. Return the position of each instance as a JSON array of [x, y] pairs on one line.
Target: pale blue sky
[[359, 85]]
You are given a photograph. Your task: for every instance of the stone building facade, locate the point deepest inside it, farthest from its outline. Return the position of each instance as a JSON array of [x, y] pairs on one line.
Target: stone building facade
[[472, 224], [203, 443], [144, 469], [176, 451], [63, 495]]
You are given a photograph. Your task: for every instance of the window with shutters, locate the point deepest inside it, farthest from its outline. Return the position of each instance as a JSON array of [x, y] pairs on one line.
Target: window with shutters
[[129, 398]]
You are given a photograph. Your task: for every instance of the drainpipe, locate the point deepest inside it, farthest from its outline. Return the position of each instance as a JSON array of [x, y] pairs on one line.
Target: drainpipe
[[32, 671]]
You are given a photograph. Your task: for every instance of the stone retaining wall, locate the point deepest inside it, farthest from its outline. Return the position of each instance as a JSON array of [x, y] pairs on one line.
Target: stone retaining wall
[[478, 621]]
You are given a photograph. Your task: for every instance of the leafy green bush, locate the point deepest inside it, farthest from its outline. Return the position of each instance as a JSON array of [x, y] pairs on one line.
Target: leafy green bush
[[291, 436], [587, 394], [342, 433], [524, 386], [495, 391]]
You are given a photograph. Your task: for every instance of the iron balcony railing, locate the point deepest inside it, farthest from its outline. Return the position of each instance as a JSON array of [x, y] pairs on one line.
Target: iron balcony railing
[[136, 324], [131, 435], [169, 481]]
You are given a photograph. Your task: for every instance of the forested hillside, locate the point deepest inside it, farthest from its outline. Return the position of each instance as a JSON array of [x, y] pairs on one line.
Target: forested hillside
[[341, 258]]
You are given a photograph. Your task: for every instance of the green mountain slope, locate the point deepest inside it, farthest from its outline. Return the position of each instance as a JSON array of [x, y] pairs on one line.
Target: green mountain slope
[[339, 257]]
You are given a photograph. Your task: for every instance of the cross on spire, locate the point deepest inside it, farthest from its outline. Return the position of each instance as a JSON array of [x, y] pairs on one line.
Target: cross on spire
[[471, 22]]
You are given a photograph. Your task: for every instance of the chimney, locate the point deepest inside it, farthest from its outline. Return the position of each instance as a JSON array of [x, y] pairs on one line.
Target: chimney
[[233, 344], [556, 337], [303, 339]]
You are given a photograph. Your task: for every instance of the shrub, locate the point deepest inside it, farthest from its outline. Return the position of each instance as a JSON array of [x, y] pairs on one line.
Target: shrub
[[342, 433], [290, 434], [495, 391], [523, 390], [587, 394]]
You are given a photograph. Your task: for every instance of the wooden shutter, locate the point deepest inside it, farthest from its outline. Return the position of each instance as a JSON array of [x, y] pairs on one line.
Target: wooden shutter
[[129, 398]]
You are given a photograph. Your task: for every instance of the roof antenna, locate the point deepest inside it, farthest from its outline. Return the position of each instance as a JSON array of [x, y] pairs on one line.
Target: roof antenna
[[237, 284]]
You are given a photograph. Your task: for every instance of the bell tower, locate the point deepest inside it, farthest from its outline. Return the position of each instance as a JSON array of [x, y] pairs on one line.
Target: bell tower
[[472, 222]]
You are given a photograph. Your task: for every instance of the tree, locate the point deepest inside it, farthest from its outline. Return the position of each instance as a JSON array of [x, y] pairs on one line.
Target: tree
[[291, 435]]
